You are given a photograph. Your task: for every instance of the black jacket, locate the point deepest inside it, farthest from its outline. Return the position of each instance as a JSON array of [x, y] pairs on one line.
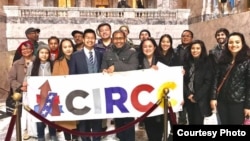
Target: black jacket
[[202, 85], [236, 88]]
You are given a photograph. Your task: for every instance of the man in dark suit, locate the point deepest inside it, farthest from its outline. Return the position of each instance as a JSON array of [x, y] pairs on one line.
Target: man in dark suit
[[86, 61]]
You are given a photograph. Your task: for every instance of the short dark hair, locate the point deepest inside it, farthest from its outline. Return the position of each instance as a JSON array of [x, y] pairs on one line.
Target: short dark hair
[[192, 34], [145, 30], [224, 30], [118, 31], [54, 37], [103, 24], [88, 30]]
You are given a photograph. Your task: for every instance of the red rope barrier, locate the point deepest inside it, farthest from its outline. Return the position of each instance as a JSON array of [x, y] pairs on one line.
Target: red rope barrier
[[32, 112], [11, 127]]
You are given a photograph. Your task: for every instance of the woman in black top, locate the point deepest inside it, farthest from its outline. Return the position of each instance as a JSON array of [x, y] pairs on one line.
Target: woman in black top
[[197, 82]]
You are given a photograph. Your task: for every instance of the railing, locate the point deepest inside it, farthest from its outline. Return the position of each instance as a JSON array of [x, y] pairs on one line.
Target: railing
[[16, 11]]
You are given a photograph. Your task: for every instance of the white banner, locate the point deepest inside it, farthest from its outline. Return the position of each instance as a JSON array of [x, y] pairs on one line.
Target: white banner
[[99, 96]]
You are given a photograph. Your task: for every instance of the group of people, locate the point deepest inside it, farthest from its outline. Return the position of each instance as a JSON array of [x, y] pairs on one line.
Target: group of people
[[203, 72]]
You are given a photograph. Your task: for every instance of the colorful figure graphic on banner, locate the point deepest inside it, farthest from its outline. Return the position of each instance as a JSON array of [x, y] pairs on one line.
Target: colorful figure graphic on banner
[[48, 102]]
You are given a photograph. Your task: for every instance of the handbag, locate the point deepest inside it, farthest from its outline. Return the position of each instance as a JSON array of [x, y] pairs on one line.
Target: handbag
[[224, 79], [214, 119], [246, 120], [10, 103]]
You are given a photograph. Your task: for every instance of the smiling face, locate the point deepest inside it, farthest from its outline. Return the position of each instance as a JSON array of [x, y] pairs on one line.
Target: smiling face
[[186, 38], [165, 44], [26, 51], [221, 38], [89, 40], [234, 44], [44, 55], [148, 48], [119, 39], [196, 50], [67, 48], [105, 32]]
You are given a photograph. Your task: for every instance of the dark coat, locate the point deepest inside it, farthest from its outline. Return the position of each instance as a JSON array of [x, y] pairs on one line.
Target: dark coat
[[123, 59], [78, 63], [236, 88], [202, 85], [170, 59]]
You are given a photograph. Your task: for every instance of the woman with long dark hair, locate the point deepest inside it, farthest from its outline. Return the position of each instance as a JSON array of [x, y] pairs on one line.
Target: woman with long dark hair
[[147, 59], [42, 66], [233, 100], [165, 51], [197, 82], [61, 67]]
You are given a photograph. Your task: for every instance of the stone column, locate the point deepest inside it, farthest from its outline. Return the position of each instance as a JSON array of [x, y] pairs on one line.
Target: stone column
[[4, 54], [3, 43], [216, 10], [165, 4], [206, 7]]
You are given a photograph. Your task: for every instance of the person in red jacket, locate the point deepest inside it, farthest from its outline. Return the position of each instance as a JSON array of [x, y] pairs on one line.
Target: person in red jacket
[[53, 42]]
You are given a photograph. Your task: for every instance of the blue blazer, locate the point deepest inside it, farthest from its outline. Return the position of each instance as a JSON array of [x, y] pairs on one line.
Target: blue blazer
[[78, 62]]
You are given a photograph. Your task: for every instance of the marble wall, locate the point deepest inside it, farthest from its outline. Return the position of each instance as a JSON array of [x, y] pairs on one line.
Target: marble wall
[[52, 25], [236, 22], [61, 26]]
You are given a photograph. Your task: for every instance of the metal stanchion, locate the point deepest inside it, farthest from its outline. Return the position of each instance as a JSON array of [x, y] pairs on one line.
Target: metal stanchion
[[166, 91], [17, 97]]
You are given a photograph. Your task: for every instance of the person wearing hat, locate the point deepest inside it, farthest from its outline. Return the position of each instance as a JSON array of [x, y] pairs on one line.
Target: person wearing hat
[[32, 34], [78, 39], [144, 34], [42, 66]]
